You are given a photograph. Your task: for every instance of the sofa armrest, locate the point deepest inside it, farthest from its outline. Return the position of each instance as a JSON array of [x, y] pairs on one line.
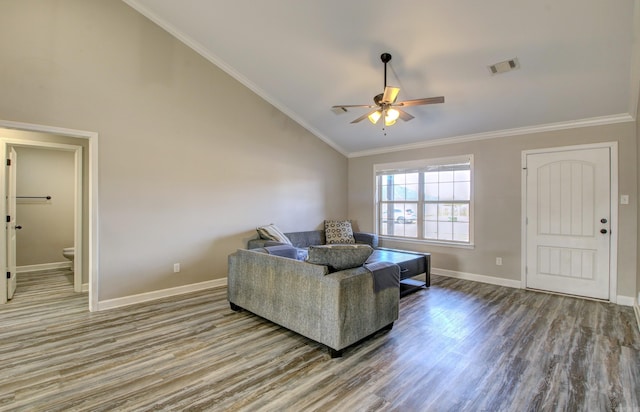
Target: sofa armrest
[[370, 239]]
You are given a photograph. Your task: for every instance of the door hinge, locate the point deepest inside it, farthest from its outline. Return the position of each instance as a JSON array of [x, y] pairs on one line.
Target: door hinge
[[8, 162], [8, 275], [8, 218]]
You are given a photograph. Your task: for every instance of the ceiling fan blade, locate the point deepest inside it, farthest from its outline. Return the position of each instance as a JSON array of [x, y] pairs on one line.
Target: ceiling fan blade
[[390, 94], [418, 102], [364, 116], [404, 115], [353, 105]]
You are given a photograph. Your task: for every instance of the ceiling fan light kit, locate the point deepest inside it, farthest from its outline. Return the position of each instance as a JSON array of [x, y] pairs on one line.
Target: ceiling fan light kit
[[385, 105], [375, 116], [390, 117]]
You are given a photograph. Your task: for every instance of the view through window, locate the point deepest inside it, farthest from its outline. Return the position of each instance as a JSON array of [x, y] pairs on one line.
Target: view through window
[[427, 200]]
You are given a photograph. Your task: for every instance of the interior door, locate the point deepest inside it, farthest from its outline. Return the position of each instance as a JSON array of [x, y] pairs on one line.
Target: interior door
[[568, 198], [11, 222]]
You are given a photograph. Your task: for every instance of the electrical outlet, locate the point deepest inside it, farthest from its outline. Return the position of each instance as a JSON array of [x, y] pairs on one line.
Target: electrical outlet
[[624, 199], [499, 261], [176, 267]]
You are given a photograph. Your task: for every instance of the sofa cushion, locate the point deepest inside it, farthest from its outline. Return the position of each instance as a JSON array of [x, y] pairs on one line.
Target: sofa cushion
[[283, 251], [339, 257], [271, 232], [338, 232], [307, 238]]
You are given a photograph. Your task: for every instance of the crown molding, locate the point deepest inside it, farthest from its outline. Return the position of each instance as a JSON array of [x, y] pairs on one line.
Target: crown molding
[[594, 121]]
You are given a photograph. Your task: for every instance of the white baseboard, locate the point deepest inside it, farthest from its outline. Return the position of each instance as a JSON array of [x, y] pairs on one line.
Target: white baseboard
[[625, 300], [159, 294], [492, 280], [85, 287], [44, 266]]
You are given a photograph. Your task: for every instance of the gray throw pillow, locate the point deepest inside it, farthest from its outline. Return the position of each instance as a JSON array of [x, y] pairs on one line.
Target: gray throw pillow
[[339, 257], [272, 232]]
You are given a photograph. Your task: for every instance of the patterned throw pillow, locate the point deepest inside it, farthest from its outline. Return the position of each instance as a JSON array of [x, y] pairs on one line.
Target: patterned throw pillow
[[339, 257], [271, 232], [338, 232]]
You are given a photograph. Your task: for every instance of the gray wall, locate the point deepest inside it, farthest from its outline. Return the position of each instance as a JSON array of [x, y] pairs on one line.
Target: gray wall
[[47, 225], [497, 199], [190, 161]]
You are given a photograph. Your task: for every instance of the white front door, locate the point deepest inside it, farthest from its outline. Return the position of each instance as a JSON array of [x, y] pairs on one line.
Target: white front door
[[568, 198], [11, 222]]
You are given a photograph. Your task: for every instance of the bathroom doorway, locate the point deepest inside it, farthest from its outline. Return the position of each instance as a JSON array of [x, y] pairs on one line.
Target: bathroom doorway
[[80, 148], [44, 209]]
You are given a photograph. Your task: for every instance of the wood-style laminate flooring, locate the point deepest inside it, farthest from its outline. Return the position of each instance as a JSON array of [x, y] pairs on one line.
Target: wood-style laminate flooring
[[458, 346]]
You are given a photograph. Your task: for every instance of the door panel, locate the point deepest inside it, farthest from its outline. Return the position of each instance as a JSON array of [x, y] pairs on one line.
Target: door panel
[[568, 198], [11, 223]]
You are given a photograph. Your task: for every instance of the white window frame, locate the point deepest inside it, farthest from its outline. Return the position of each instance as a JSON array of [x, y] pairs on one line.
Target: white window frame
[[417, 165]]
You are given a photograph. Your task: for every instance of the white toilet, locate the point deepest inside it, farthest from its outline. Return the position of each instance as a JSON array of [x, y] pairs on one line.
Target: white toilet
[[69, 253]]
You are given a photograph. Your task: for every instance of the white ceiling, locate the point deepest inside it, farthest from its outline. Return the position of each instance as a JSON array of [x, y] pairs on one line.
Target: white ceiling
[[576, 59]]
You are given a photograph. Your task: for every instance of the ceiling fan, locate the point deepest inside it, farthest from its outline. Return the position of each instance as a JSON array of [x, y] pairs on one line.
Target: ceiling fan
[[385, 103]]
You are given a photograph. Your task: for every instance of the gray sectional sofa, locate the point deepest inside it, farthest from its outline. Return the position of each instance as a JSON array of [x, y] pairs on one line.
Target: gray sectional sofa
[[336, 308], [302, 240]]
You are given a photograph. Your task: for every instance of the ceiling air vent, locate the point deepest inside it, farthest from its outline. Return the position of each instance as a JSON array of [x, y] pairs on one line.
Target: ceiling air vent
[[505, 66]]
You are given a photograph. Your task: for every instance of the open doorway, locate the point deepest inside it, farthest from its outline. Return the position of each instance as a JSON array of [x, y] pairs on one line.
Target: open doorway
[[44, 210], [81, 147]]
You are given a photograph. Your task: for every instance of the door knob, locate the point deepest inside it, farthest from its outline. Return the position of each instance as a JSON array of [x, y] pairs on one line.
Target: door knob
[[603, 231], [18, 227], [603, 220]]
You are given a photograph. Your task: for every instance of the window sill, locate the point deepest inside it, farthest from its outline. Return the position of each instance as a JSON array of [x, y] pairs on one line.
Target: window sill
[[427, 242]]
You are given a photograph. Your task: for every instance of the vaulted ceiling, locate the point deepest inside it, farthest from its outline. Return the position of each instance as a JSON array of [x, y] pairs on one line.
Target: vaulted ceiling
[[577, 62]]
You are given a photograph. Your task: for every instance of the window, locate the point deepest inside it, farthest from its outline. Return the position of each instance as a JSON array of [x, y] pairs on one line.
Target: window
[[426, 200]]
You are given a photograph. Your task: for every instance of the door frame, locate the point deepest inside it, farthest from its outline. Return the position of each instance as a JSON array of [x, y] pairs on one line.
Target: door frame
[[92, 196], [77, 193], [10, 235], [613, 205]]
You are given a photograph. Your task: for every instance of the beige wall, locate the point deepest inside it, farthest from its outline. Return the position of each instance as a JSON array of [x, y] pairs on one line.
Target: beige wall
[[190, 161], [638, 181], [497, 199], [47, 225]]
